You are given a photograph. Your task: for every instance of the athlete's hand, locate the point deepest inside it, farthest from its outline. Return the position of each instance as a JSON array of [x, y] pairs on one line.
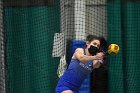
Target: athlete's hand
[[96, 64], [100, 55]]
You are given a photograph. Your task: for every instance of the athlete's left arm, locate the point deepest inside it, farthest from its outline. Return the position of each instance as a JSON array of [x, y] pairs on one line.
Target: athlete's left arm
[[97, 63]]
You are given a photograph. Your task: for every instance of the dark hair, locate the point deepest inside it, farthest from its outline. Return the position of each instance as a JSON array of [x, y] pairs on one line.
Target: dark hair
[[103, 44], [91, 38]]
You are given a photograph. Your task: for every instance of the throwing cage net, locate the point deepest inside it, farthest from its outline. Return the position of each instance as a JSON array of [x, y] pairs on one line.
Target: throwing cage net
[[38, 38], [2, 52]]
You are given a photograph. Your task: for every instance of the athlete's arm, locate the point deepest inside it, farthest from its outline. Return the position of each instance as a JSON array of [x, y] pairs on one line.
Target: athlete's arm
[[79, 54], [96, 63]]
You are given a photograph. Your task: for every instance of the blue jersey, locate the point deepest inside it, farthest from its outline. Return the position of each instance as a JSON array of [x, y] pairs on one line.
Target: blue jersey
[[74, 75]]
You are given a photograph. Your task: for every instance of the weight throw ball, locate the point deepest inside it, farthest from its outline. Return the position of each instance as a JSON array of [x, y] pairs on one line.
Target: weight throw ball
[[113, 49]]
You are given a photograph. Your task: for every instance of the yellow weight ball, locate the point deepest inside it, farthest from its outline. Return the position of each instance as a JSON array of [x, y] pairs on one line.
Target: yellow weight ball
[[113, 49]]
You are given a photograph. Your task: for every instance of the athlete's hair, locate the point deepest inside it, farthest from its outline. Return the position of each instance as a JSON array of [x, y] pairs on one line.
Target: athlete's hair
[[90, 38]]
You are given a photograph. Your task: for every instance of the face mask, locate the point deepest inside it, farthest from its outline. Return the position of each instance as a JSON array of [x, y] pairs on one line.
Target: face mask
[[93, 50]]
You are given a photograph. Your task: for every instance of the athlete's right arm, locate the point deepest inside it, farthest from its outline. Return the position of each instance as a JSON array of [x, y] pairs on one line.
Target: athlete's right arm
[[79, 54]]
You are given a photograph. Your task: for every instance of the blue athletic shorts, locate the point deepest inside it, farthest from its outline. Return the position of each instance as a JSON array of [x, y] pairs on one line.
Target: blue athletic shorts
[[61, 88]]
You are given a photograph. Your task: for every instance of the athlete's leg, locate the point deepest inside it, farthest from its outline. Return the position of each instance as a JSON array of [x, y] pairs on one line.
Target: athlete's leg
[[67, 91]]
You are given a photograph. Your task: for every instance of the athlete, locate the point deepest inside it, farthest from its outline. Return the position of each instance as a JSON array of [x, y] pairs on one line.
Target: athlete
[[82, 63]]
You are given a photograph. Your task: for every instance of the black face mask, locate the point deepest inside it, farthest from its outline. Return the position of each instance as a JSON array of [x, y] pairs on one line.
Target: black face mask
[[93, 50]]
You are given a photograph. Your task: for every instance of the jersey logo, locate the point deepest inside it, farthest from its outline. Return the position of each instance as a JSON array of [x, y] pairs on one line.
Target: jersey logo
[[86, 66]]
